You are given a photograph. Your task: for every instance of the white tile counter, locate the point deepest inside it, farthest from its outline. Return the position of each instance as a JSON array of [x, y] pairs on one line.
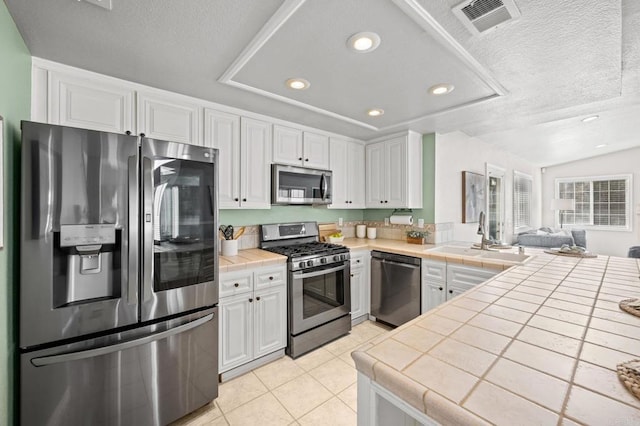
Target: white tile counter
[[536, 344]]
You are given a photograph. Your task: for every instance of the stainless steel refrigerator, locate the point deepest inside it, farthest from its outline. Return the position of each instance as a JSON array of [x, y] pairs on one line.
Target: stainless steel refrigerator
[[118, 278]]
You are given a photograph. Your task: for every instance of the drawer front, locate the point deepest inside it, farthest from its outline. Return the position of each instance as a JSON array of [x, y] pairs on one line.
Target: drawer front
[[434, 270], [461, 275], [358, 259], [235, 283], [270, 277]]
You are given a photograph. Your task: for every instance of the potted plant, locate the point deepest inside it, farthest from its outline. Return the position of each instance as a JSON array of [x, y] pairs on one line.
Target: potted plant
[[417, 237]]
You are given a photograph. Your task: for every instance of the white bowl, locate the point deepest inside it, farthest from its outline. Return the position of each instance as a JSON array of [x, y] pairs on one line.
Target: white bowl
[[334, 240]]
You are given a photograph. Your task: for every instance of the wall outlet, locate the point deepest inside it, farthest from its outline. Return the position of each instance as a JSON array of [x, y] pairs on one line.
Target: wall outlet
[[340, 221]]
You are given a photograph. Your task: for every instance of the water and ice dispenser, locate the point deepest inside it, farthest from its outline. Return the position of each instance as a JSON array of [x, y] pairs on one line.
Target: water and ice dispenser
[[86, 255]]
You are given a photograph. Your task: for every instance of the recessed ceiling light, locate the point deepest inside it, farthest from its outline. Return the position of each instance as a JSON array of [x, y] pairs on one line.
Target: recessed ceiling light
[[602, 145], [590, 119], [364, 42], [375, 112], [298, 83], [441, 89]]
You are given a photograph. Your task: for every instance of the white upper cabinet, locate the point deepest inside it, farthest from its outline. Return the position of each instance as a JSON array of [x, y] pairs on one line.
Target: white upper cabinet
[[255, 167], [394, 172], [297, 148], [347, 165], [222, 131], [90, 103], [287, 145], [315, 150], [170, 119]]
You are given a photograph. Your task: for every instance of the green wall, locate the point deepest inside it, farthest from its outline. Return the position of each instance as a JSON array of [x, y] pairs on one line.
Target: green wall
[[15, 94], [427, 212], [283, 214]]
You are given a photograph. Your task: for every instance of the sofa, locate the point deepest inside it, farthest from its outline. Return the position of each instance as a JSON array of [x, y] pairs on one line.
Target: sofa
[[547, 238]]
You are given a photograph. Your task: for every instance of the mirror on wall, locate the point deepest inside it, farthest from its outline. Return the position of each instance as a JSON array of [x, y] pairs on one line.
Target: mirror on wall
[[495, 179]]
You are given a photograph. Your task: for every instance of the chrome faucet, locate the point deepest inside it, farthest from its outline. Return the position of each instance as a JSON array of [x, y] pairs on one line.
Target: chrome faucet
[[482, 230]]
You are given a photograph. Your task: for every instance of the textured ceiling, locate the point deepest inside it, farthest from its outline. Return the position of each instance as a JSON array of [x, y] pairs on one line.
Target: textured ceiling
[[561, 61]]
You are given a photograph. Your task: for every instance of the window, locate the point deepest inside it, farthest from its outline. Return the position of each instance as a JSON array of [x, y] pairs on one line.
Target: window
[[602, 201], [522, 194]]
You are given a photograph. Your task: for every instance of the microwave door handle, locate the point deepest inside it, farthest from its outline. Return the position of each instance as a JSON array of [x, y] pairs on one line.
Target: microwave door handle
[[323, 183], [134, 236]]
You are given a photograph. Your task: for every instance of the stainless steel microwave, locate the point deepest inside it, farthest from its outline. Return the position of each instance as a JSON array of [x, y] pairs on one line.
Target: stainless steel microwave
[[300, 185]]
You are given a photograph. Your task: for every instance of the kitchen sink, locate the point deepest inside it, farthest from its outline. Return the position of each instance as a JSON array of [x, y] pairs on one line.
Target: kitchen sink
[[508, 257], [461, 251]]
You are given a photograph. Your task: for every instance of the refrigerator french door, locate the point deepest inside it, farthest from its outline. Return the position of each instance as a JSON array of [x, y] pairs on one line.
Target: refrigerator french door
[[119, 277]]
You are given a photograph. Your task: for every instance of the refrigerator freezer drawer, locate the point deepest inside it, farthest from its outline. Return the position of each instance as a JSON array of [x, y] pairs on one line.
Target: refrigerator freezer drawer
[[148, 376]]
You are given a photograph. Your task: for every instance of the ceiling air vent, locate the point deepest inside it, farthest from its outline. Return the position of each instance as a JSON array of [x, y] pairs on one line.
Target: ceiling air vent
[[480, 16]]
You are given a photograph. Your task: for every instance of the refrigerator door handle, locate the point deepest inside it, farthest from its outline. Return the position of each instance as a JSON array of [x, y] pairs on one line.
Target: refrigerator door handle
[[134, 227], [90, 353], [147, 224]]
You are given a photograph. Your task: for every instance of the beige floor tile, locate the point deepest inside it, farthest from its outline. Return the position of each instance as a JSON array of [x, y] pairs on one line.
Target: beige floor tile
[[278, 372], [342, 345], [503, 407], [314, 358], [548, 340], [350, 396], [238, 391], [301, 395], [394, 354], [264, 410], [346, 357], [336, 375], [531, 384], [366, 331], [202, 416], [465, 357], [594, 409], [332, 413], [418, 338]]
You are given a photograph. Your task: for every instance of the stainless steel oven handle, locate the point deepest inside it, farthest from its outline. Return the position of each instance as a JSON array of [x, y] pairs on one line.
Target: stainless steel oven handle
[[300, 274], [90, 353]]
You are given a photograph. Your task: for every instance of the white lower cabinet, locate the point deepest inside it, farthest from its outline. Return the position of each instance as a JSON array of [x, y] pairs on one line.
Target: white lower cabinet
[[360, 285], [442, 281], [253, 315]]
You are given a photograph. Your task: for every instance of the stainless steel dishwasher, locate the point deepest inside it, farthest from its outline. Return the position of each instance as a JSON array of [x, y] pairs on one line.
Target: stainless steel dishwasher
[[395, 287]]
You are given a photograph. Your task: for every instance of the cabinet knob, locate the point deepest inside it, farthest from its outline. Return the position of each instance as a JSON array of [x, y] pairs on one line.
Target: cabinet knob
[[358, 261], [386, 201], [381, 202], [258, 298], [270, 278], [128, 132], [236, 285], [142, 135], [250, 300], [244, 200], [440, 288], [306, 159], [450, 291], [236, 199], [352, 275], [300, 158]]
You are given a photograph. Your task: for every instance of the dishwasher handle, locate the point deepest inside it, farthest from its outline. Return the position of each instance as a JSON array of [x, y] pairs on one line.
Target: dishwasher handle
[[397, 258]]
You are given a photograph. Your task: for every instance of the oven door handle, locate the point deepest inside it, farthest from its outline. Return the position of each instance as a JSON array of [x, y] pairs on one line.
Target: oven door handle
[[316, 273]]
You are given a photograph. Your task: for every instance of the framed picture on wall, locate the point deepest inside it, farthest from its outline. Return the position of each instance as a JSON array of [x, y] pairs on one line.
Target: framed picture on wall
[[1, 182], [473, 189]]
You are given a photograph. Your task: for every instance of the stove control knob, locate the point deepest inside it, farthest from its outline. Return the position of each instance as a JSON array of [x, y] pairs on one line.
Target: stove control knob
[[336, 257], [343, 257], [302, 264], [309, 262], [323, 260]]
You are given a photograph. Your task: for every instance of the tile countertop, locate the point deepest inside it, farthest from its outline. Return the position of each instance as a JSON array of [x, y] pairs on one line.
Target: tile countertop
[[250, 258], [538, 343]]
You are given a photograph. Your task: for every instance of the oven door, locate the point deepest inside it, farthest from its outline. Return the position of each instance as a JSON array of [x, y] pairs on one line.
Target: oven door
[[318, 295]]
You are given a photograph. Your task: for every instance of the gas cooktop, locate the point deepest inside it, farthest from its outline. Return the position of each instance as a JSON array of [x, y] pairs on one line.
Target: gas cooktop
[[308, 249]]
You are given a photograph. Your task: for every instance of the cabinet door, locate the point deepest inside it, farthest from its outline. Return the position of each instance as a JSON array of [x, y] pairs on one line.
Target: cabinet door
[[222, 131], [90, 104], [255, 172], [357, 292], [315, 150], [338, 152], [236, 331], [270, 320], [433, 294], [396, 173], [375, 172], [168, 119], [287, 145], [355, 179], [454, 290]]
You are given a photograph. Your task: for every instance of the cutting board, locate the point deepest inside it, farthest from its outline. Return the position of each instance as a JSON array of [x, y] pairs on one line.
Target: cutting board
[[326, 229]]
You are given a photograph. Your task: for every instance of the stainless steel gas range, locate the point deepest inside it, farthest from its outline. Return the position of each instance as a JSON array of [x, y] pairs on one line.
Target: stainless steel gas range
[[319, 289]]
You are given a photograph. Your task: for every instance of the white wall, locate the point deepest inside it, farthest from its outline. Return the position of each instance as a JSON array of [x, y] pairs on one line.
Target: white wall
[[457, 152], [613, 243]]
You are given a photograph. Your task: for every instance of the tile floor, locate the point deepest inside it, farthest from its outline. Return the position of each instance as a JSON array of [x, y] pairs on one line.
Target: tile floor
[[316, 389]]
